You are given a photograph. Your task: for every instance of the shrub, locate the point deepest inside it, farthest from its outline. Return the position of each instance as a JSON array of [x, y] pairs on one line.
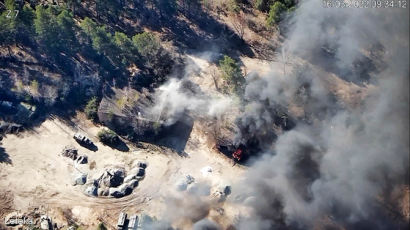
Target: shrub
[[262, 5], [108, 137], [153, 54], [275, 13], [101, 226], [147, 45], [231, 73], [91, 109]]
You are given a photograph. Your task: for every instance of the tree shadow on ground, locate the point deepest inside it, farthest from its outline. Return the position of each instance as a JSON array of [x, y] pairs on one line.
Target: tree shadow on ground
[[4, 157], [176, 136], [359, 72], [91, 147], [194, 30], [120, 145]]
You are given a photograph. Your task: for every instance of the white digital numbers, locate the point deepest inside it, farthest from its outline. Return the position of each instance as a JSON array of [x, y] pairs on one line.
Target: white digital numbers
[[12, 13]]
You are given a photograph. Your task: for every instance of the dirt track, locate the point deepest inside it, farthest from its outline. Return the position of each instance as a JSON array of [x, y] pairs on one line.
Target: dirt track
[[39, 175]]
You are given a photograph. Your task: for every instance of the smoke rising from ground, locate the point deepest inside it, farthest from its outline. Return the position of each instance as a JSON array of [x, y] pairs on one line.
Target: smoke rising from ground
[[179, 96], [341, 163]]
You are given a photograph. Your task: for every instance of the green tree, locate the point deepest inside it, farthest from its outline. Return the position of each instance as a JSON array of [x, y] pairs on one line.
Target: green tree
[[7, 32], [25, 29], [125, 45], [91, 109], [288, 3], [262, 5], [108, 137], [101, 40], [232, 74], [45, 26], [153, 54], [107, 8], [275, 13], [147, 44], [66, 30], [8, 26], [88, 26]]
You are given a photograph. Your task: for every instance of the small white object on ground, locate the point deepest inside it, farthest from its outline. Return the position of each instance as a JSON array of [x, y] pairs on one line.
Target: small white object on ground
[[206, 171]]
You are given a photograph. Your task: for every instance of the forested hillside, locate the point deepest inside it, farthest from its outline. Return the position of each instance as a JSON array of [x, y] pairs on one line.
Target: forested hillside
[[59, 53]]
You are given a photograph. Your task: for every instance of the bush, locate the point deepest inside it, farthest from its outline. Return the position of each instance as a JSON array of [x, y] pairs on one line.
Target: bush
[[153, 54], [147, 44], [262, 5], [275, 13], [101, 226], [231, 73], [91, 109], [108, 137]]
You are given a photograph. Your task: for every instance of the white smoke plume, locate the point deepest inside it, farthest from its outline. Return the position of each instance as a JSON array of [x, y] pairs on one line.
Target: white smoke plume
[[179, 96], [340, 164]]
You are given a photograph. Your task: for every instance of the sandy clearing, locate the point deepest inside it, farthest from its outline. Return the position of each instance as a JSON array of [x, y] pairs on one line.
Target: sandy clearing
[[39, 175]]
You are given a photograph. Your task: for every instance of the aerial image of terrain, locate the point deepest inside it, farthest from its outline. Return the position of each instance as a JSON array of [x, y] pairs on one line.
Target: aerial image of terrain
[[204, 115]]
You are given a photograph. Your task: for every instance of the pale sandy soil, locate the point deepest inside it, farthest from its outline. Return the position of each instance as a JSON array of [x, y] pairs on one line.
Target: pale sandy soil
[[39, 176]]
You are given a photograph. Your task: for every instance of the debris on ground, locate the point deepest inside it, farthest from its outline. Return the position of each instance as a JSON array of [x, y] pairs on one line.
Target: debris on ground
[[72, 153], [206, 171], [79, 179], [115, 182], [222, 191], [10, 128], [45, 222], [183, 183]]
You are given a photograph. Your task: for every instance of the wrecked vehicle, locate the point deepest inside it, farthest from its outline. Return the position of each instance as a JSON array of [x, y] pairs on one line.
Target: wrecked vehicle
[[82, 139]]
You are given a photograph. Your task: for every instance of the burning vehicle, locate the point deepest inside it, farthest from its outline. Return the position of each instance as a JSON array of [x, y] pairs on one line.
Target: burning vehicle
[[253, 135]]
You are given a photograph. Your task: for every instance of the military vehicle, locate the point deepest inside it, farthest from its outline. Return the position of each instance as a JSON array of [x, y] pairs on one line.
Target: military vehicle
[[85, 141], [82, 139]]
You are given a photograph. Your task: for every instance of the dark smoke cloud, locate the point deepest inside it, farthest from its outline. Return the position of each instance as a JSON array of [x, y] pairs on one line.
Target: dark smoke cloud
[[205, 225], [338, 161], [340, 164]]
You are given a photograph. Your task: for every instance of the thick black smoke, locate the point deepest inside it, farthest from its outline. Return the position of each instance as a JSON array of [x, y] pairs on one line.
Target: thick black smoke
[[345, 159]]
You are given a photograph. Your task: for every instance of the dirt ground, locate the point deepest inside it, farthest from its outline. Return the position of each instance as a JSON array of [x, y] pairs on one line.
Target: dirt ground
[[39, 176], [36, 175]]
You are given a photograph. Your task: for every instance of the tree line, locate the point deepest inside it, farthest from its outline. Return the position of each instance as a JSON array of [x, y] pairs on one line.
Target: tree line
[[55, 31]]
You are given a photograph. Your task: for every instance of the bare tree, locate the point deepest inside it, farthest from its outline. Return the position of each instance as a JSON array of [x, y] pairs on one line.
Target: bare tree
[[239, 24], [215, 76]]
